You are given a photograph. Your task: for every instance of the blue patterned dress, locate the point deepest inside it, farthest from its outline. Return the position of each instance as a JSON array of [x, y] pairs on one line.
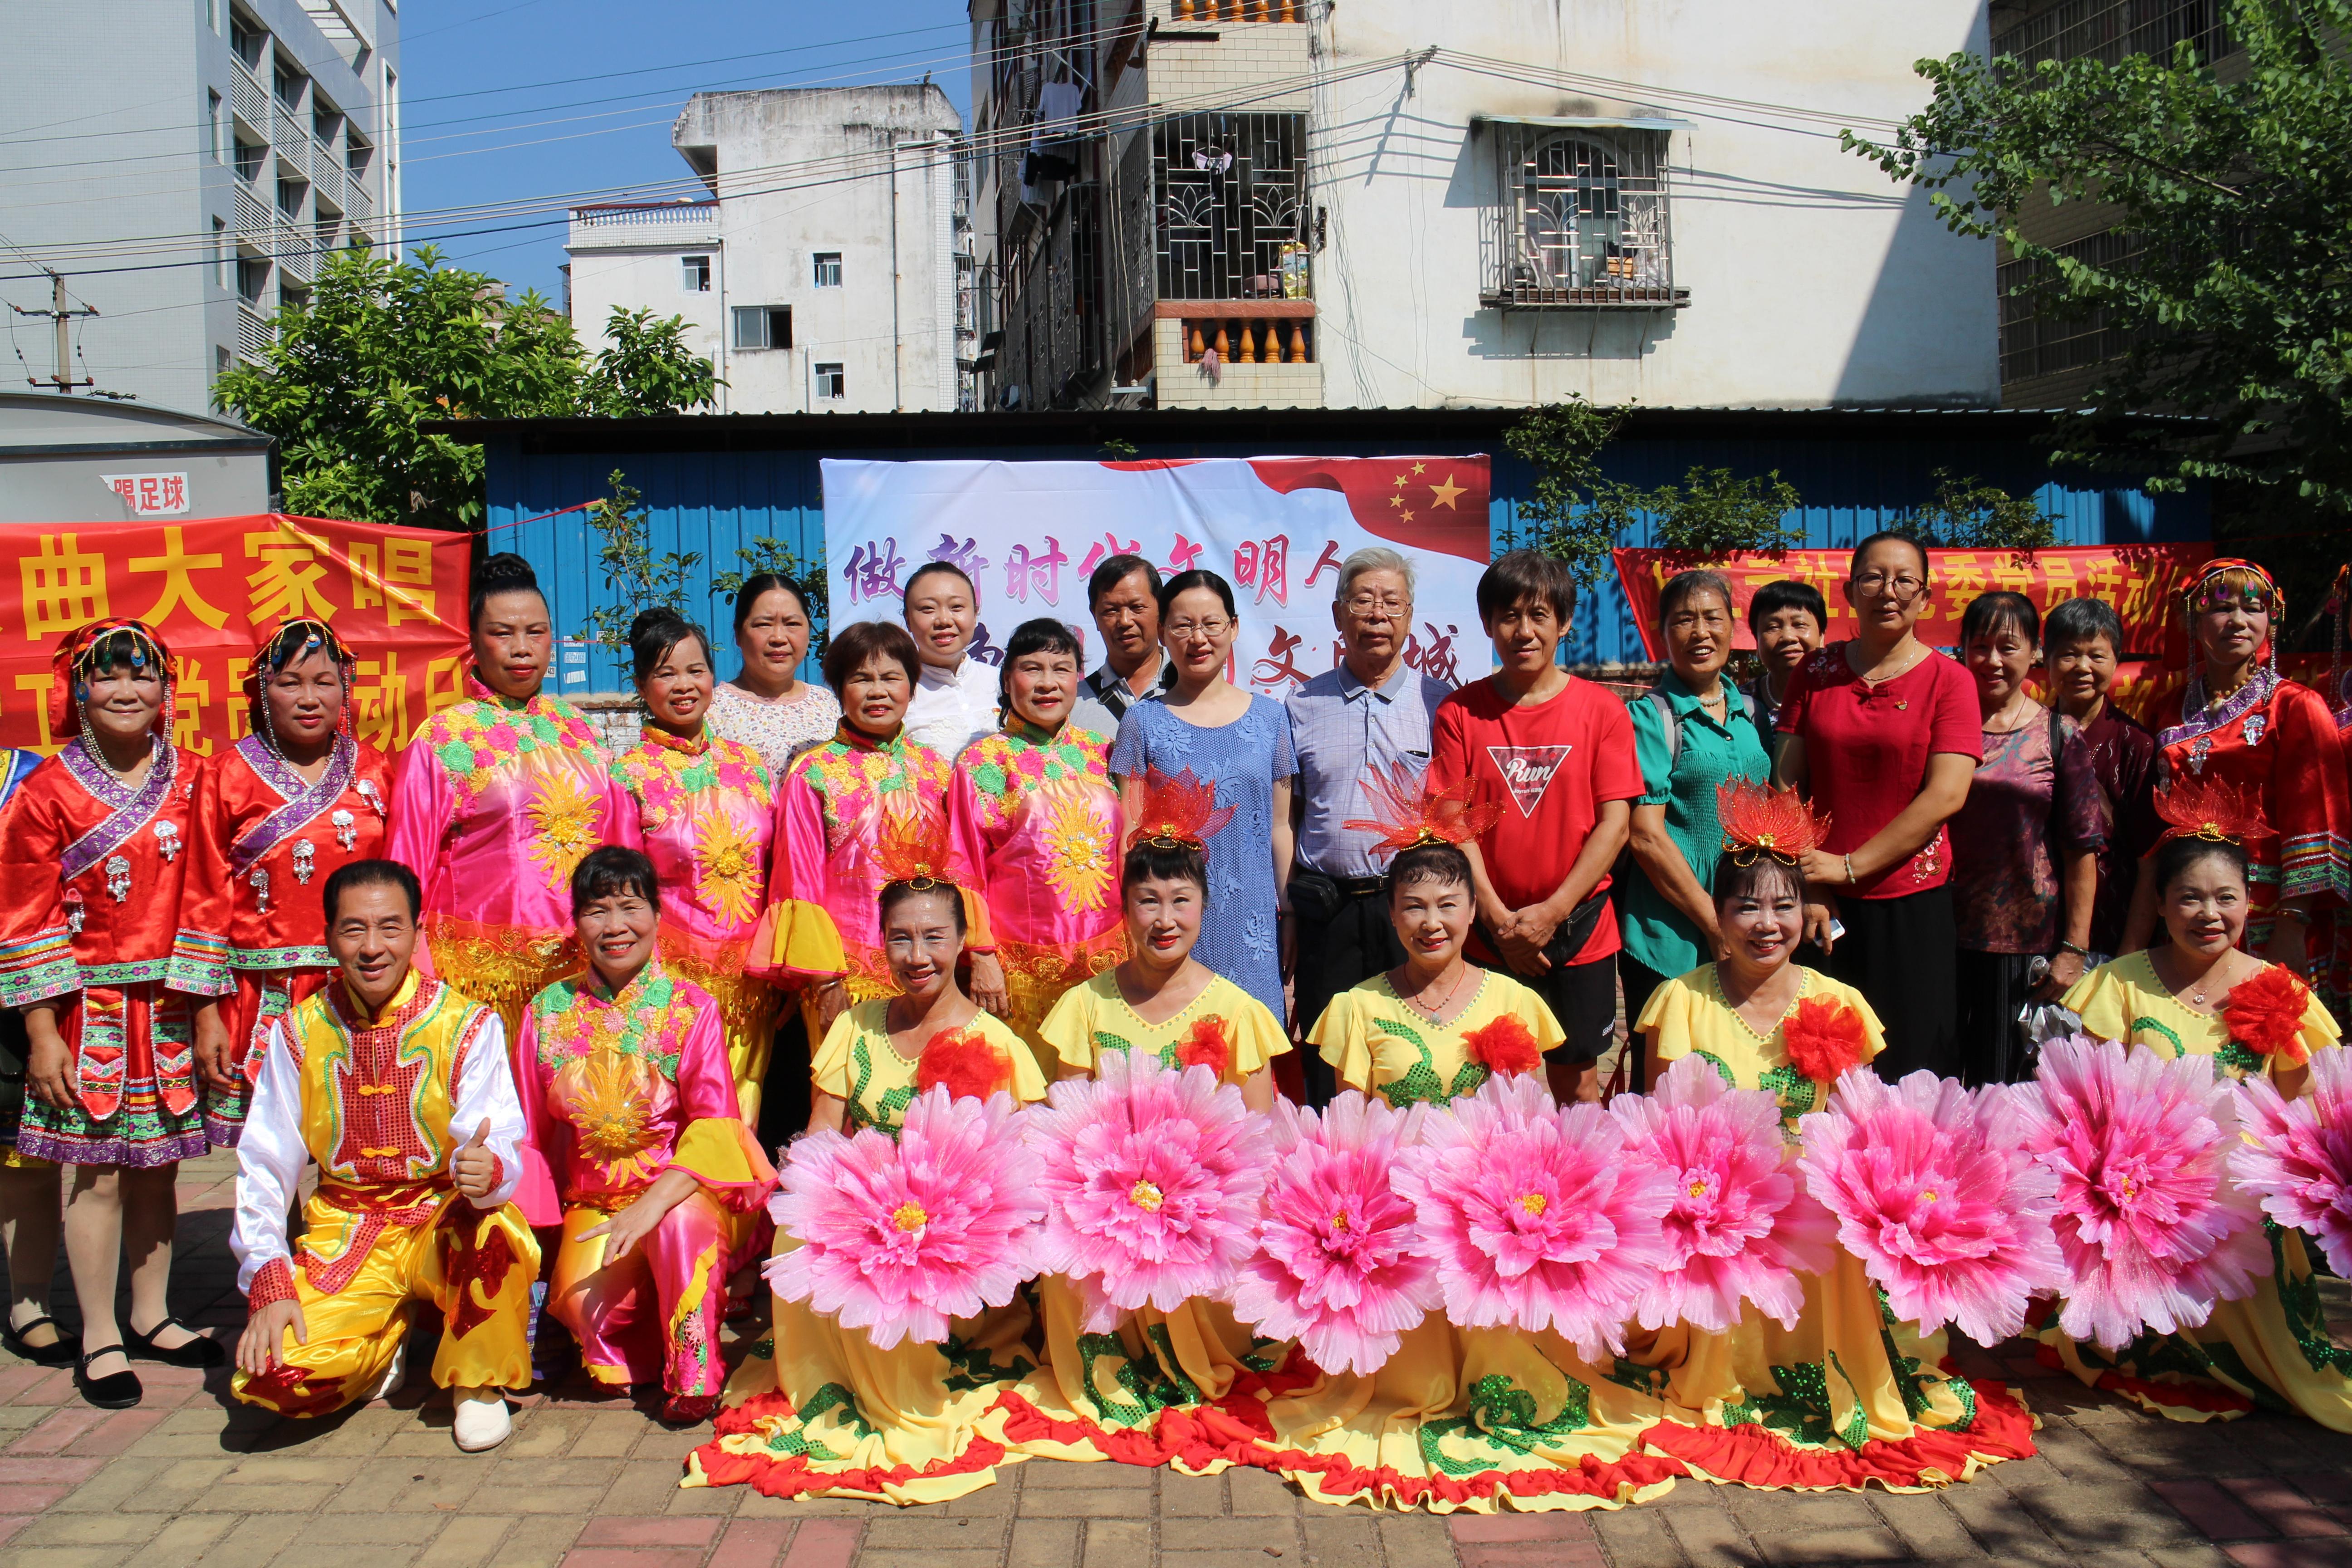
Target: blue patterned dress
[[1244, 759]]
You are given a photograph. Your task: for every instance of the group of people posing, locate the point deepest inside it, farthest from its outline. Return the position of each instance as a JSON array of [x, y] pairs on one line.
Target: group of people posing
[[546, 1019]]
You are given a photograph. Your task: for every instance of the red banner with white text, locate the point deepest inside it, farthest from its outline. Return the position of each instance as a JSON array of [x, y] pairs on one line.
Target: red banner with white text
[[213, 588]]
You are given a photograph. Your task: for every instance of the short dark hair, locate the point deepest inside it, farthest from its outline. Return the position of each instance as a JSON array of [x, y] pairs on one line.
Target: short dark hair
[[757, 587], [929, 568], [1735, 880], [1788, 594], [2080, 620], [1199, 577], [893, 894], [1117, 569], [1997, 611], [861, 640], [1520, 575], [1886, 535], [2175, 856], [1044, 634], [656, 631], [505, 573], [371, 874], [1444, 864], [611, 870], [1154, 862], [1685, 586]]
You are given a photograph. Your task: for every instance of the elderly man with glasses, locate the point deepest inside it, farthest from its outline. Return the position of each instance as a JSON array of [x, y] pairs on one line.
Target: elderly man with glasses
[[1373, 711]]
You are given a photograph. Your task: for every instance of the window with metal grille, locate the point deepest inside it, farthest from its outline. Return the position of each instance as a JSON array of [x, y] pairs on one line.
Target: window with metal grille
[[2039, 337], [830, 383], [763, 326], [694, 274], [2109, 29], [1579, 219], [1233, 214], [826, 266]]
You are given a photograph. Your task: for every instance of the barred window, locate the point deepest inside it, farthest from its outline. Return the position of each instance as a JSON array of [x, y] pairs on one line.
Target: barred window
[[1577, 219], [2110, 29], [2036, 339], [1233, 215]]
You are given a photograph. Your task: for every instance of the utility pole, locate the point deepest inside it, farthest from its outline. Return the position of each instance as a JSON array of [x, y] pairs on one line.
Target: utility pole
[[57, 312]]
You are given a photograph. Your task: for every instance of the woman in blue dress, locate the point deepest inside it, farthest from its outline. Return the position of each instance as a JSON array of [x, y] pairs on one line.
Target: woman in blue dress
[[1239, 742]]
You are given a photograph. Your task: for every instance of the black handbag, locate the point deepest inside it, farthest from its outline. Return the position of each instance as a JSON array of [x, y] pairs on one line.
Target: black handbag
[[1567, 939]]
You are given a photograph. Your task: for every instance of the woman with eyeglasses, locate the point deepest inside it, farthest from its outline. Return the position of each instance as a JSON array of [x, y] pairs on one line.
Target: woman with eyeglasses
[[2241, 724], [1241, 743], [1883, 734]]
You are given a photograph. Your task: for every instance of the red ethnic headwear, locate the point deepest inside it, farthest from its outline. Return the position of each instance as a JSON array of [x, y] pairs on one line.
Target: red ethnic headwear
[[1409, 811], [914, 849], [75, 657], [315, 635], [1177, 808], [1759, 820], [2203, 592], [2209, 809]]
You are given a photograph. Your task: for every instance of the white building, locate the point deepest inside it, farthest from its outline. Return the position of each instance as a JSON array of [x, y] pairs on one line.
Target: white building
[[820, 272], [186, 168], [1289, 203]]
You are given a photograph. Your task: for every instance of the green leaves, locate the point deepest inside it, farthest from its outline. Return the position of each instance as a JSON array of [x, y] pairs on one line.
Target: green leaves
[[640, 580]]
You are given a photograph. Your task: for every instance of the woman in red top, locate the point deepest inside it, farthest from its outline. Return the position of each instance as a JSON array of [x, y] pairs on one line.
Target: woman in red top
[[2241, 724], [1883, 734], [275, 814]]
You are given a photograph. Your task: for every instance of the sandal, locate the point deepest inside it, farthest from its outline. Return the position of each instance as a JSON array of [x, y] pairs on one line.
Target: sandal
[[63, 1351], [115, 1390], [200, 1351]]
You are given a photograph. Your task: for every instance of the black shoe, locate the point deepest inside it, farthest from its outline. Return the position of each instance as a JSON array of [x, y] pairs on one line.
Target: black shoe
[[201, 1352], [115, 1390], [62, 1352]]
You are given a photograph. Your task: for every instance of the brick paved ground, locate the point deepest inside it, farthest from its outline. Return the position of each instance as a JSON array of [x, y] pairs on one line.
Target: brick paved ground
[[190, 1478]]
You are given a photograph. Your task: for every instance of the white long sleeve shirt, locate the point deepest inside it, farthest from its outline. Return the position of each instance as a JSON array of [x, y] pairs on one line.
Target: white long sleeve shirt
[[952, 710]]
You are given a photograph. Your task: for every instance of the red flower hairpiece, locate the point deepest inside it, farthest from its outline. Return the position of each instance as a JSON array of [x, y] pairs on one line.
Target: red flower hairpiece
[[972, 1066], [913, 848], [1206, 1046], [1824, 1038], [2210, 809], [1759, 820], [1409, 811], [2265, 1015], [1177, 808], [1505, 1047]]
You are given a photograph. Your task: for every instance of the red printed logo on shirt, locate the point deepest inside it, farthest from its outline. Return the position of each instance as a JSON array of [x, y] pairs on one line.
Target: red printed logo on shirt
[[1527, 771]]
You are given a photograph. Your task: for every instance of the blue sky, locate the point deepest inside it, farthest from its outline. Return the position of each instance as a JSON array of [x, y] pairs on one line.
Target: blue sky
[[512, 99]]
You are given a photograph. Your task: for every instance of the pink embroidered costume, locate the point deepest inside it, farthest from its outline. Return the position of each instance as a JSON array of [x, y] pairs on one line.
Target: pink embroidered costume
[[1035, 815], [822, 920], [251, 926], [704, 812], [91, 877], [493, 804], [617, 1090]]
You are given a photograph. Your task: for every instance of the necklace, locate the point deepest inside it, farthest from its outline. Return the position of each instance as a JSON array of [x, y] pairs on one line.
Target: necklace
[[91, 750], [1919, 652], [2210, 979], [1423, 1008]]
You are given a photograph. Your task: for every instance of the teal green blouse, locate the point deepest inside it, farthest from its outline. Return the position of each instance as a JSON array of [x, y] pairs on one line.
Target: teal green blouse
[[1657, 935]]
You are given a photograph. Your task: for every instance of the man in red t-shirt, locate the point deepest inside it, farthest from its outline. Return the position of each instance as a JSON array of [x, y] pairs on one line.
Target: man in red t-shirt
[[1559, 751]]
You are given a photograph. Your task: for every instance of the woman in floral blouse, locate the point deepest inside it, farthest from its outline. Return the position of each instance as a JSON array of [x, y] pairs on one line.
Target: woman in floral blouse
[[768, 707]]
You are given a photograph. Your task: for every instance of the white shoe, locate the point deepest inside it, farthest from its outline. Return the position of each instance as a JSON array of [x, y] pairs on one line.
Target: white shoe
[[482, 1421], [395, 1376]]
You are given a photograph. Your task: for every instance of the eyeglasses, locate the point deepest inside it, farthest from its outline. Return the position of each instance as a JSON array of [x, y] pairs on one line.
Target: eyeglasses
[[1392, 606], [1184, 631], [1904, 589]]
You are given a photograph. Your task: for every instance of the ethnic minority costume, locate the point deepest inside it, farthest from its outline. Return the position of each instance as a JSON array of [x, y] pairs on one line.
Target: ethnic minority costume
[[494, 804], [90, 880], [823, 878], [381, 1104], [819, 1411], [252, 928], [1377, 1043], [2270, 1351], [704, 811], [15, 766], [617, 1090], [1033, 815]]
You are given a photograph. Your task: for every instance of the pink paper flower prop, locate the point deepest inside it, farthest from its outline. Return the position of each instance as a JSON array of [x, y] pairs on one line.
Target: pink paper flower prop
[[1742, 1225], [1150, 1177], [898, 1237], [1532, 1213], [1334, 1267], [2297, 1154], [2152, 1230], [1934, 1191]]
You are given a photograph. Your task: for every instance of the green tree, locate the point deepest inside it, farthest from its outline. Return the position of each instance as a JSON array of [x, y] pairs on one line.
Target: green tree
[[766, 555], [640, 580], [2234, 190], [1710, 515], [1562, 442], [384, 346], [1969, 514]]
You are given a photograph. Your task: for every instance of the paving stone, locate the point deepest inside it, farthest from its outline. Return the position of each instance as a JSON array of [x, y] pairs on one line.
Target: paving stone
[[1231, 1534], [1085, 1475], [756, 1543], [641, 1530], [1247, 1557], [1534, 1554], [1042, 1544], [67, 1557], [1259, 1492], [257, 1538], [1055, 1502], [2288, 1555], [1711, 1538], [86, 1529], [2216, 1512], [609, 1436], [1179, 1495], [1115, 1543], [616, 1557], [1932, 1531], [823, 1543], [154, 1486], [182, 1543], [2189, 1555], [2282, 1508], [1336, 1540], [2097, 1515], [1635, 1538], [469, 1543], [2003, 1525], [535, 1541], [917, 1528], [871, 1559], [1467, 1528]]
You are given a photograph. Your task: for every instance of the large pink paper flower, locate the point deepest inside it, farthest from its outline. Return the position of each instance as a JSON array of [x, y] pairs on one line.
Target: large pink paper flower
[[1150, 1177], [2152, 1230], [1934, 1191], [1334, 1267], [899, 1238], [1534, 1217], [2297, 1156], [1742, 1225]]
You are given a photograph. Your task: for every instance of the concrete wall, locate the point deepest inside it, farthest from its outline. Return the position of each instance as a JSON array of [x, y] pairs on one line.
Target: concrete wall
[[630, 259], [55, 453]]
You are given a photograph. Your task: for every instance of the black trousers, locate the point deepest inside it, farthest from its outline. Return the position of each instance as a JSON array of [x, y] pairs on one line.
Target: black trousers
[[1899, 953], [1356, 944], [785, 1095], [1637, 980]]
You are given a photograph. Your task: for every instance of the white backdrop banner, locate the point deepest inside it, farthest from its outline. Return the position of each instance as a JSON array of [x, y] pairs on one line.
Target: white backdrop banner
[[1276, 528]]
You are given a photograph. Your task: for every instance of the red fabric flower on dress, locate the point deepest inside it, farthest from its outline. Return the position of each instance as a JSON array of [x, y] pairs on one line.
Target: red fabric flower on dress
[[1409, 811], [1177, 808], [972, 1066], [1824, 1038], [1505, 1047], [1206, 1046], [2265, 1015]]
